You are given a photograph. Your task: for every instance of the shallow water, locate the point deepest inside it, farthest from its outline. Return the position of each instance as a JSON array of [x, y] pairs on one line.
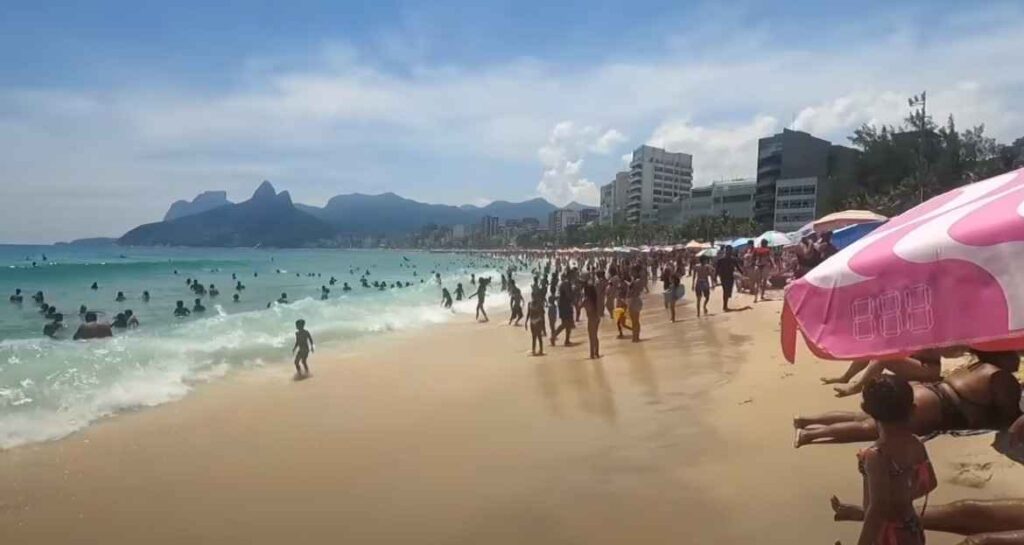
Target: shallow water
[[50, 388]]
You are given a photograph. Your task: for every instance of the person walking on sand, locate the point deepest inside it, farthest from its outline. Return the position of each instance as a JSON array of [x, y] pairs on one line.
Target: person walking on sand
[[636, 301], [303, 347], [592, 306], [703, 276], [763, 264], [566, 311], [481, 295], [535, 322], [516, 302], [726, 269]]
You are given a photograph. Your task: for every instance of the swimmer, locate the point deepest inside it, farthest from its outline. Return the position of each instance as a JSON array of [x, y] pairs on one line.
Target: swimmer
[[133, 321], [38, 298], [180, 311], [214, 291], [145, 297], [459, 292], [91, 329], [94, 286], [198, 307], [446, 298], [284, 299], [303, 347], [120, 297], [16, 298], [346, 287], [82, 310], [234, 297], [120, 321], [51, 329]]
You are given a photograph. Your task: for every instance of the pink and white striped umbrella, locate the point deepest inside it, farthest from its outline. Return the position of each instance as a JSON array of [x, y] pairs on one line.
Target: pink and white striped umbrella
[[948, 272]]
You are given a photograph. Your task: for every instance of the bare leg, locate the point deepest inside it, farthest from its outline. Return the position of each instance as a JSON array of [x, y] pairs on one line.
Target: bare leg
[[908, 368], [844, 432], [856, 366], [825, 419], [634, 315], [964, 517]]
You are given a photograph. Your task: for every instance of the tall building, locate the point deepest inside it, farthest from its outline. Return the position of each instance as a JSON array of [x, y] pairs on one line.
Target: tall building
[[799, 177], [656, 178], [589, 215], [613, 199], [733, 198], [490, 226], [559, 220]]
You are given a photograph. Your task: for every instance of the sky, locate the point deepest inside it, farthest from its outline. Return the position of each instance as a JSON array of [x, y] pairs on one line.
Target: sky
[[110, 111]]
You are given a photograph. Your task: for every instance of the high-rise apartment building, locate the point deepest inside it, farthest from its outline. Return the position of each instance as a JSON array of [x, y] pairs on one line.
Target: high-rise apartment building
[[613, 199], [656, 178]]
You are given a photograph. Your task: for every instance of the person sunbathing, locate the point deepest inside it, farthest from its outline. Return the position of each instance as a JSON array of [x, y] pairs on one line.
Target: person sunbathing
[[983, 522], [923, 366], [982, 396]]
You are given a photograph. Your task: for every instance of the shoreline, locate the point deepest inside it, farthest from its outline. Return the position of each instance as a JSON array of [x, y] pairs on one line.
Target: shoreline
[[454, 434]]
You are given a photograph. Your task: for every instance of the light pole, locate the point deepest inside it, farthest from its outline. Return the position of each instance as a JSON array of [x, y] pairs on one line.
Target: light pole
[[922, 101]]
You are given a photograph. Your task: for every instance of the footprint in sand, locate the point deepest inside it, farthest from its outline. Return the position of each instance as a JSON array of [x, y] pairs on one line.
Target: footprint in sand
[[972, 474]]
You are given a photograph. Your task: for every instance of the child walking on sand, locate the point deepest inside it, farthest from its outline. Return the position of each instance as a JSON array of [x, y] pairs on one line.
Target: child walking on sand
[[535, 323], [703, 275], [303, 346]]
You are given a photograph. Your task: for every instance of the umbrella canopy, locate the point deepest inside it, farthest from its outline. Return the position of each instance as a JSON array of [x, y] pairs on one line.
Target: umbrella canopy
[[948, 272], [838, 220], [848, 235], [694, 245], [710, 252], [774, 239]]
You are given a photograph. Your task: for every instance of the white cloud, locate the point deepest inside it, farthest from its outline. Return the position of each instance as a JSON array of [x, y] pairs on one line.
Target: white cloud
[[338, 122], [719, 152], [562, 180]]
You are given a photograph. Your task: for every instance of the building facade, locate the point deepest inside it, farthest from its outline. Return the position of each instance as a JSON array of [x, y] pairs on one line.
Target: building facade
[[793, 168], [559, 220], [589, 215], [732, 198], [490, 226], [613, 199], [656, 178]]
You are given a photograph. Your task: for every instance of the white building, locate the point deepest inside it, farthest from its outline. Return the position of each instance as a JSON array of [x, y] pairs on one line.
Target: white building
[[613, 199], [562, 218], [656, 178], [796, 203]]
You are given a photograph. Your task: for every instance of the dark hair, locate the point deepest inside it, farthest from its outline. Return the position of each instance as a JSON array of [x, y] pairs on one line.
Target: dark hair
[[888, 399], [300, 323], [90, 316]]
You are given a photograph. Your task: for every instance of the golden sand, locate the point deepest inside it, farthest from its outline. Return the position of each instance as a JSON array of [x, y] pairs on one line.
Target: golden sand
[[455, 435]]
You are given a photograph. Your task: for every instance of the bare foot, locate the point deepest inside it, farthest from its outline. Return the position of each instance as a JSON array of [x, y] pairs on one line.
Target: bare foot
[[847, 390], [799, 422], [799, 440], [833, 380], [846, 512]]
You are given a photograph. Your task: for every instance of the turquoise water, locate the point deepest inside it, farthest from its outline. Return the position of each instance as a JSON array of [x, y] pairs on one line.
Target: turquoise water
[[50, 388]]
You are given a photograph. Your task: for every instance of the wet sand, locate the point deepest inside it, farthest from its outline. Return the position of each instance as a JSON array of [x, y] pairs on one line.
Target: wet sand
[[455, 435]]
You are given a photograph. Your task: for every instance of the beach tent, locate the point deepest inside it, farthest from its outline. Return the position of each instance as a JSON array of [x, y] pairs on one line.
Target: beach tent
[[694, 245], [848, 235], [774, 239], [838, 220], [948, 272], [710, 252]]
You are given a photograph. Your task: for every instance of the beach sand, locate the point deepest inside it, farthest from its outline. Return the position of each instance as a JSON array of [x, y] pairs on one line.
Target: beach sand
[[455, 435]]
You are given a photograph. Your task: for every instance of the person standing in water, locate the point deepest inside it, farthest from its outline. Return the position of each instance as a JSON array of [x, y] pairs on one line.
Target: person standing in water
[[516, 302], [459, 292], [303, 347], [446, 298], [481, 294]]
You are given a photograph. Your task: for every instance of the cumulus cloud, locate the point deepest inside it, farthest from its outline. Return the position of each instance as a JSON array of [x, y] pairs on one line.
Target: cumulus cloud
[[719, 152], [562, 159]]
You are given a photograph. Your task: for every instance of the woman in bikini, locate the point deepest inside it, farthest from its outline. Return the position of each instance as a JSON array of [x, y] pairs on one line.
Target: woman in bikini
[[923, 366], [896, 468], [986, 522], [984, 395], [592, 306]]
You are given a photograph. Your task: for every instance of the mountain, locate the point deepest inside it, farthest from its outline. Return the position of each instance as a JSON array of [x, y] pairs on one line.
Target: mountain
[[94, 241], [207, 200], [577, 206], [267, 219], [388, 213], [533, 208]]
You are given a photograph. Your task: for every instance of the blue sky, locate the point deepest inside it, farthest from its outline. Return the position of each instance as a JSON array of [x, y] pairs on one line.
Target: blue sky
[[110, 111]]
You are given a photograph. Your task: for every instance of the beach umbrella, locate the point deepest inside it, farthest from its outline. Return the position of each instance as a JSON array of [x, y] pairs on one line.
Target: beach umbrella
[[838, 220], [694, 245], [709, 252], [846, 236], [949, 272], [774, 239]]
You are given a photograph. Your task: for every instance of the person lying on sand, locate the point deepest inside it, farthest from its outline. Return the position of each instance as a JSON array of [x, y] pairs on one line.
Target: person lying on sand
[[982, 396], [923, 366], [984, 522]]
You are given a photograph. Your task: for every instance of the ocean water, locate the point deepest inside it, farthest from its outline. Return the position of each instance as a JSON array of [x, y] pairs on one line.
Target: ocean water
[[50, 388]]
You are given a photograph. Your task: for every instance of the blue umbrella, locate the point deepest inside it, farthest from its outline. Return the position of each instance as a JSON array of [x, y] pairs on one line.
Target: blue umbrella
[[846, 236]]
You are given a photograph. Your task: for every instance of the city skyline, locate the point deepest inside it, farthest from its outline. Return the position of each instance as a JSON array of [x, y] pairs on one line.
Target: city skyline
[[109, 113]]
